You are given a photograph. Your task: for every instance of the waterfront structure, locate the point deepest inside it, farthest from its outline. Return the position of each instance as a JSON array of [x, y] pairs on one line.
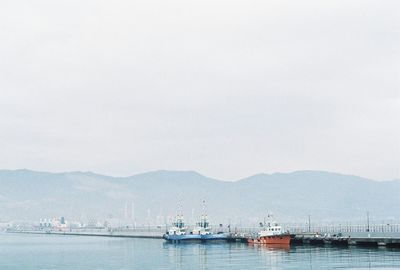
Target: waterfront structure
[[272, 234]]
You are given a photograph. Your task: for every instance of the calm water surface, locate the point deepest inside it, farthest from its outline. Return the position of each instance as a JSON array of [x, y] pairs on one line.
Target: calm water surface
[[26, 252]]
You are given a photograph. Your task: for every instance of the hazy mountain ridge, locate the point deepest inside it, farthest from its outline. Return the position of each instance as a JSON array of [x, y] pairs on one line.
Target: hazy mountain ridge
[[26, 194]]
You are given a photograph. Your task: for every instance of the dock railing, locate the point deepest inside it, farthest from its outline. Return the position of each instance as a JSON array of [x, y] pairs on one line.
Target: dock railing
[[293, 228], [344, 228]]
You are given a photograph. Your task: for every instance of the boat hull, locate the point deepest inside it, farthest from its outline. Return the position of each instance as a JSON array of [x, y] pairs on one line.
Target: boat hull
[[214, 237], [272, 240], [196, 237], [182, 238]]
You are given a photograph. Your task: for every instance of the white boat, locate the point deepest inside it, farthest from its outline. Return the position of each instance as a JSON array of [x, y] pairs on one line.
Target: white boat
[[272, 233], [178, 232], [179, 227], [204, 230], [202, 227]]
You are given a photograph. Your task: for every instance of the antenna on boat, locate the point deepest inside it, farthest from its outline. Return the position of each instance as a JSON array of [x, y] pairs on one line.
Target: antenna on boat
[[180, 209], [204, 219], [269, 218], [204, 208]]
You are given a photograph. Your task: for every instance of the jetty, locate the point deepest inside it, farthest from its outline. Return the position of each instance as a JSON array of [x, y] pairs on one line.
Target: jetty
[[125, 233], [386, 235]]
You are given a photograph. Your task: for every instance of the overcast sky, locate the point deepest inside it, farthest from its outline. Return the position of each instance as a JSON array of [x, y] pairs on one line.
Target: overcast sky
[[227, 88]]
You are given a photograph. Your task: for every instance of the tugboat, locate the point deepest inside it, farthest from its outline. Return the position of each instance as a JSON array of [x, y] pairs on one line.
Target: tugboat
[[202, 227], [178, 232], [205, 233], [201, 233], [273, 234], [204, 230]]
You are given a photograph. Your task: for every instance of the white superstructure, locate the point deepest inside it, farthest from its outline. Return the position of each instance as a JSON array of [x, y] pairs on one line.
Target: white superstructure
[[271, 229]]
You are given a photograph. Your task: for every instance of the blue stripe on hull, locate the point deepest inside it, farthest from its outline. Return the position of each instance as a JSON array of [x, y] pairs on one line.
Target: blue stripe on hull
[[185, 237], [214, 236], [196, 237]]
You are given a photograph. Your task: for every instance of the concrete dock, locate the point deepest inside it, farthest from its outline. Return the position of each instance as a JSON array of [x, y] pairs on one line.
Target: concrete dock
[[99, 233], [355, 239], [373, 236]]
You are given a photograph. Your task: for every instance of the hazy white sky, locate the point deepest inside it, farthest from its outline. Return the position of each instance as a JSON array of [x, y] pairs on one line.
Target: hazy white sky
[[227, 88]]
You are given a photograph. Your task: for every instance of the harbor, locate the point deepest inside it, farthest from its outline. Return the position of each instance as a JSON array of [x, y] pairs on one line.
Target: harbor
[[75, 252], [377, 235]]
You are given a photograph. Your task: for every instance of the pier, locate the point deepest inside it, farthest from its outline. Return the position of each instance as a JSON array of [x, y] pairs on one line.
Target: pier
[[348, 235], [125, 233], [352, 235], [377, 240]]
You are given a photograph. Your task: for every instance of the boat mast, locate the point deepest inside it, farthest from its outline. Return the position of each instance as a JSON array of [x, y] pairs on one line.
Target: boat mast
[[204, 217]]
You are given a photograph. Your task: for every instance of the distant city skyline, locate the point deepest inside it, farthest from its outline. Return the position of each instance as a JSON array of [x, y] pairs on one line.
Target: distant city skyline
[[228, 88]]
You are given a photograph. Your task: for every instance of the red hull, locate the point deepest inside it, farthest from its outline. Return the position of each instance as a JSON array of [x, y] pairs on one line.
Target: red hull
[[272, 240]]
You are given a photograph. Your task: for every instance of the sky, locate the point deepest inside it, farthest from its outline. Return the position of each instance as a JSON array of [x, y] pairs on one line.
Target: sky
[[224, 87]]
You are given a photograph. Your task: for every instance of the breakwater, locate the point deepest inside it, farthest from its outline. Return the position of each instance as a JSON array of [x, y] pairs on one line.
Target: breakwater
[[350, 235], [95, 232]]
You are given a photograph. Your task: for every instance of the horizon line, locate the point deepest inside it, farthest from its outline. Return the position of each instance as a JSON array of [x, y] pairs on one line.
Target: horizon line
[[196, 172]]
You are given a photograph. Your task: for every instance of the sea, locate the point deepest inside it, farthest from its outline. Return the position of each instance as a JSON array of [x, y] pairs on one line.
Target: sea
[[27, 251]]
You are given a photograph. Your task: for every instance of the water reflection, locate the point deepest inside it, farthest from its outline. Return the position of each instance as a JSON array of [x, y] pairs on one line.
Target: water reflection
[[244, 256], [87, 253], [225, 255], [275, 247]]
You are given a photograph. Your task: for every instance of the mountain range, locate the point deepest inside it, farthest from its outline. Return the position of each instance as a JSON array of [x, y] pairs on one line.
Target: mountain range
[[152, 196]]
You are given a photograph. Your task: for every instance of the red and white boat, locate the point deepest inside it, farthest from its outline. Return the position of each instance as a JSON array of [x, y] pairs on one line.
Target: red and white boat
[[272, 234]]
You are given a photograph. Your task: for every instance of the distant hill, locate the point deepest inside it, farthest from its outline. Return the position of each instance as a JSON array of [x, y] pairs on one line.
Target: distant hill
[[31, 195]]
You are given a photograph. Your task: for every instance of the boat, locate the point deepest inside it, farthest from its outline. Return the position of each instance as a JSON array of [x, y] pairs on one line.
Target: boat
[[201, 232], [179, 232], [204, 230], [272, 234], [219, 236]]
